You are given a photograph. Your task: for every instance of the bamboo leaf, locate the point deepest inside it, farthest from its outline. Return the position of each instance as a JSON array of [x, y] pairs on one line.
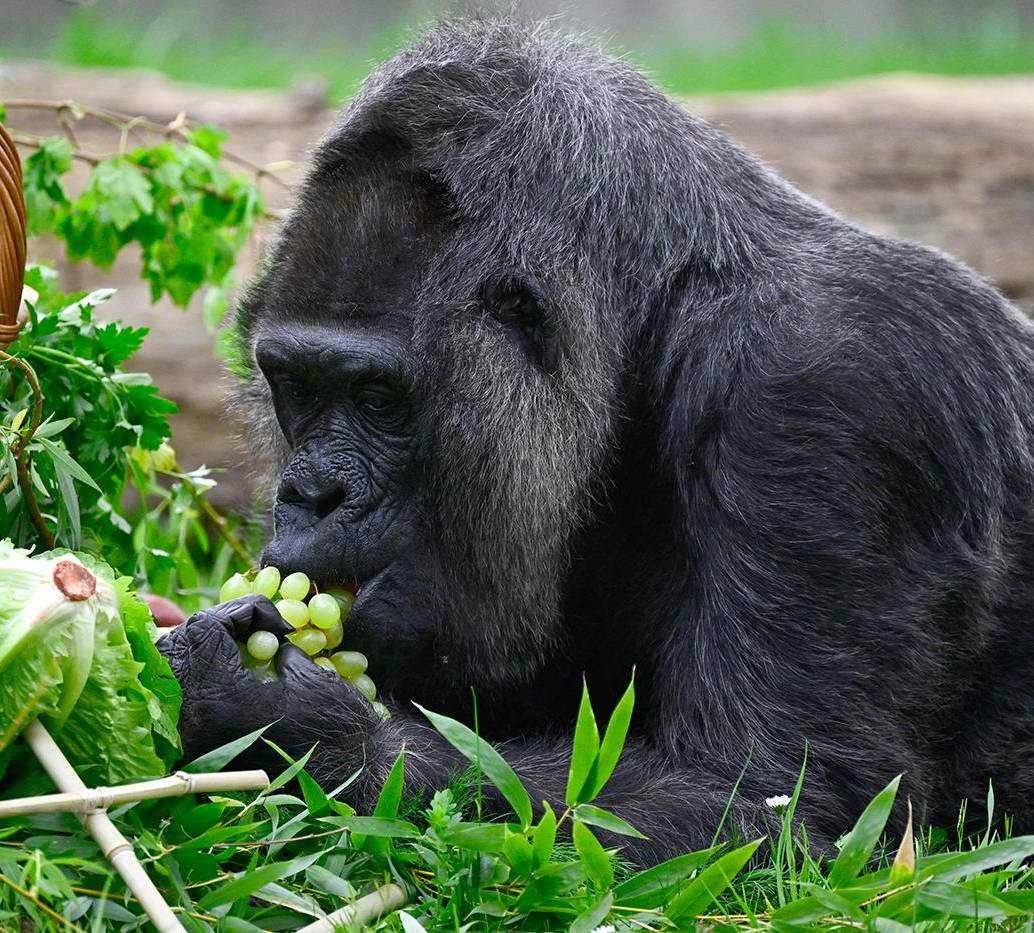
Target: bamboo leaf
[[964, 864], [904, 867], [650, 887], [49, 428], [594, 857], [544, 837], [604, 819], [247, 882], [594, 916], [519, 852], [375, 826], [60, 455], [963, 902], [613, 741], [492, 764], [862, 839], [387, 806], [220, 757], [705, 889], [586, 748]]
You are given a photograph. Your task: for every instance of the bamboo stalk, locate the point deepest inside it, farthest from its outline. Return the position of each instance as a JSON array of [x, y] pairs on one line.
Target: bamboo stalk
[[103, 798], [361, 912], [113, 844]]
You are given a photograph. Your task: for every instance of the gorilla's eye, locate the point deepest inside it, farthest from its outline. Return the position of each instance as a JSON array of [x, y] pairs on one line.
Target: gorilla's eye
[[295, 392], [380, 403]]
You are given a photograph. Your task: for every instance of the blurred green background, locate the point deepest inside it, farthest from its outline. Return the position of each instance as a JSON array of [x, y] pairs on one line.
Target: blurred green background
[[689, 46]]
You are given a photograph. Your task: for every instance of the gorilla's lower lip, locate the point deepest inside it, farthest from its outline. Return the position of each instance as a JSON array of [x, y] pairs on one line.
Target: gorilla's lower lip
[[367, 589]]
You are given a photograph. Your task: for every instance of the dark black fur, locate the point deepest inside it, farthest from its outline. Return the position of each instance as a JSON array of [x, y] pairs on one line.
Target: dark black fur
[[653, 407]]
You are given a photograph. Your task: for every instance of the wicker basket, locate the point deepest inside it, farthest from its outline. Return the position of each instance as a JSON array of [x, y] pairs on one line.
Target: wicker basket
[[12, 238]]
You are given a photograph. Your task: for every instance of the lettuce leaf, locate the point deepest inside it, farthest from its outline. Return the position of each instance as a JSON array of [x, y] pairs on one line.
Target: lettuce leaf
[[122, 723]]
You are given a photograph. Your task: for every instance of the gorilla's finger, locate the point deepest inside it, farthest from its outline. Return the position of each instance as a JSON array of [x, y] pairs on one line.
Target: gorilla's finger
[[211, 644], [294, 664], [172, 645], [250, 614]]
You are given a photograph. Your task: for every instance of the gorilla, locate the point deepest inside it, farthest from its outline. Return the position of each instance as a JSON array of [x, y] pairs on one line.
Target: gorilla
[[569, 385]]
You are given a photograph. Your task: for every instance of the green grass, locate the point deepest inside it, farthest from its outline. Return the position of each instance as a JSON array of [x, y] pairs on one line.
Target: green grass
[[777, 52], [276, 860]]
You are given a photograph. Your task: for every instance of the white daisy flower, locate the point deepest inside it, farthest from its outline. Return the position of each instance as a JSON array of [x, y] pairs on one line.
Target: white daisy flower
[[780, 802]]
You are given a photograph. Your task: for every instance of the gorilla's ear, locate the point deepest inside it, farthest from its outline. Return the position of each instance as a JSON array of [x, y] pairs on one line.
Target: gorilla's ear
[[691, 341], [356, 150]]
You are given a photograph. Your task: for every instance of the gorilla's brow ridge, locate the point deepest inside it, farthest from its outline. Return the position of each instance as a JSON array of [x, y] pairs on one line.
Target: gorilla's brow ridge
[[352, 354]]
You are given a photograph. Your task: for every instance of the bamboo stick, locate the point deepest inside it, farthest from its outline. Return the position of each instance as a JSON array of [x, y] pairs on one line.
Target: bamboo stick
[[113, 844], [361, 912], [103, 798]]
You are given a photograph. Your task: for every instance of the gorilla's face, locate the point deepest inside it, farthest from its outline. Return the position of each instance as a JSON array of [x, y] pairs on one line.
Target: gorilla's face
[[336, 351], [443, 400]]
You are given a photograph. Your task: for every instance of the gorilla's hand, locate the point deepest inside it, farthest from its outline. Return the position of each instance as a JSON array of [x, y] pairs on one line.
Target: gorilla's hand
[[223, 700]]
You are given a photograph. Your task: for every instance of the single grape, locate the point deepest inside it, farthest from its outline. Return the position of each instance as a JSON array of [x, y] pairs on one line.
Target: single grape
[[266, 582], [311, 641], [350, 664], [324, 611], [381, 710], [366, 687], [234, 588], [263, 645], [326, 664], [294, 611], [295, 586], [335, 635], [260, 670], [344, 600]]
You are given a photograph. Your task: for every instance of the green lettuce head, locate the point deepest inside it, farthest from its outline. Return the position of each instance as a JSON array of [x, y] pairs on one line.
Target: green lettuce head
[[77, 650]]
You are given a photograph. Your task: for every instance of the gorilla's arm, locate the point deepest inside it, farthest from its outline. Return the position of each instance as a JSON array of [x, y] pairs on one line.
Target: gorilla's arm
[[674, 806]]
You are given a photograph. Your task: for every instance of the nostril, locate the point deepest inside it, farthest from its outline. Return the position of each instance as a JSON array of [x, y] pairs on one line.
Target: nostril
[[328, 501], [320, 499]]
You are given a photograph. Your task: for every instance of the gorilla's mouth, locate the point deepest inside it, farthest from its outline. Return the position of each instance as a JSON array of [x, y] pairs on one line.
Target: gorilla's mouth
[[360, 589]]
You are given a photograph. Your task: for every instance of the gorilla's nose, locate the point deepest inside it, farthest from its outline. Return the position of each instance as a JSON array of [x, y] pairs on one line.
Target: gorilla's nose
[[321, 495]]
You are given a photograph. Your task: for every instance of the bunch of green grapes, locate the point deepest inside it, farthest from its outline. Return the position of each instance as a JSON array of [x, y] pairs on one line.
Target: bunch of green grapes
[[318, 624]]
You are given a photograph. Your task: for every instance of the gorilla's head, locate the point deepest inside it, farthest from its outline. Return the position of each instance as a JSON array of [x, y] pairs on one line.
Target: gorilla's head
[[452, 330]]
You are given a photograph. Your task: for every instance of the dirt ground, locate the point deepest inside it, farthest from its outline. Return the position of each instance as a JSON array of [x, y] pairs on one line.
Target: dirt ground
[[948, 162]]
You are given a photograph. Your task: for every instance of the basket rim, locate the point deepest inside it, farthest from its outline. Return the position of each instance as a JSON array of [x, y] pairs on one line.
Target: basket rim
[[12, 238]]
